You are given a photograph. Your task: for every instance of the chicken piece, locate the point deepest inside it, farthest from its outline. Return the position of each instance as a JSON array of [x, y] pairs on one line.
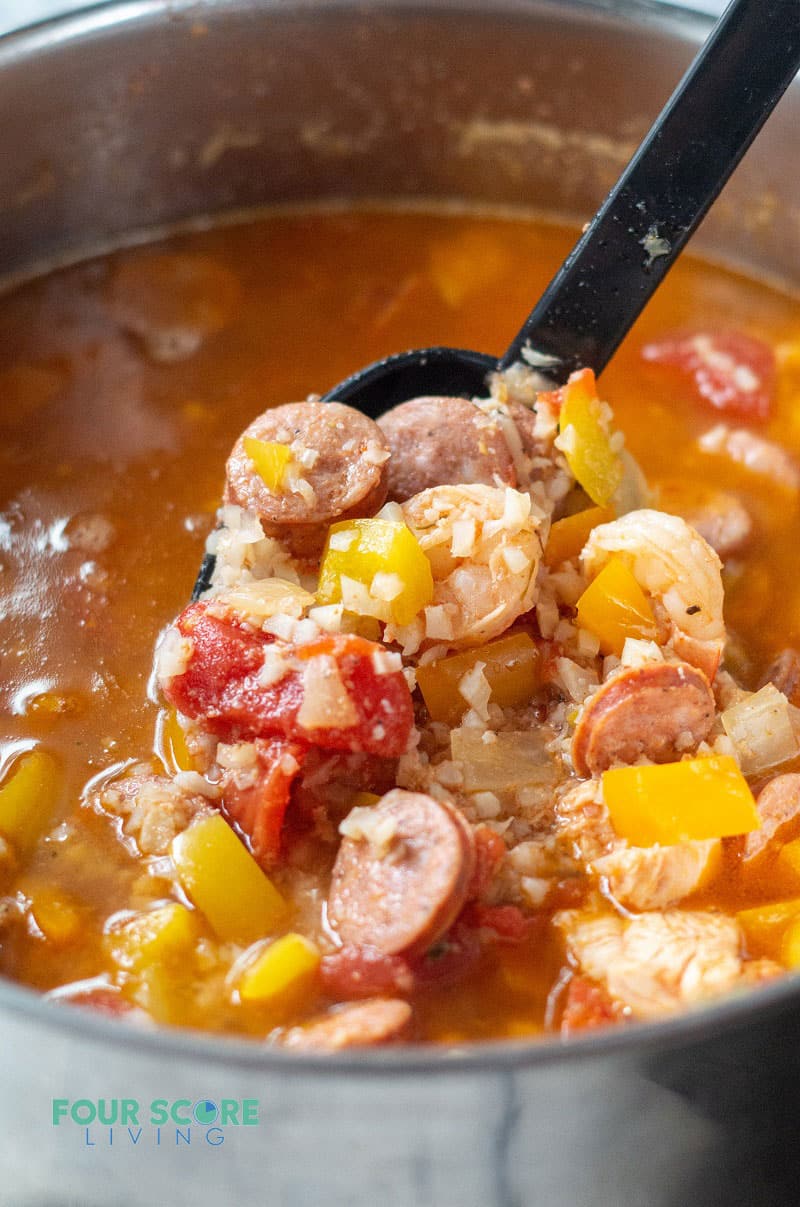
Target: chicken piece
[[152, 808], [657, 877], [637, 877], [657, 963]]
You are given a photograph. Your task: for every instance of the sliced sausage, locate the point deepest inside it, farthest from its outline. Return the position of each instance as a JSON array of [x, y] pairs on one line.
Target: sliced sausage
[[658, 711], [354, 1025], [338, 472], [719, 517], [778, 807], [784, 673], [439, 441], [400, 882]]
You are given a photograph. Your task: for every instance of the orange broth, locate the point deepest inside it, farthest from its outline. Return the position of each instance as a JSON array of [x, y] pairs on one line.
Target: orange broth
[[93, 425]]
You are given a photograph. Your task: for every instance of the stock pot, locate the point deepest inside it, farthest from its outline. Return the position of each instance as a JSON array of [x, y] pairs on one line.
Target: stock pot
[[135, 117]]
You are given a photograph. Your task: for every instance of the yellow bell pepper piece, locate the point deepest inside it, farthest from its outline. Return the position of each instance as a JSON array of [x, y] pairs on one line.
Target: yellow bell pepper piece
[[159, 936], [55, 913], [377, 568], [364, 800], [764, 926], [679, 802], [585, 439], [155, 952], [511, 670], [224, 881], [281, 972], [568, 536], [614, 607], [173, 741], [270, 459], [28, 800], [789, 861], [790, 946]]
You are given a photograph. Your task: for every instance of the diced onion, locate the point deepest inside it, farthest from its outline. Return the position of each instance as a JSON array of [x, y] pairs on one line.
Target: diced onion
[[510, 761], [326, 702], [760, 728]]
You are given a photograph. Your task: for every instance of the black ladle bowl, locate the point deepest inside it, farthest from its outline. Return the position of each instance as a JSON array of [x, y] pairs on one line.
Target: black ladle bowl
[[723, 100]]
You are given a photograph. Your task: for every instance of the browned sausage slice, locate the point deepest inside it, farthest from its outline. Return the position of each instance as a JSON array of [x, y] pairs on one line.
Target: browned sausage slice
[[400, 885], [778, 807], [658, 711], [354, 1025], [338, 471], [784, 673], [443, 441]]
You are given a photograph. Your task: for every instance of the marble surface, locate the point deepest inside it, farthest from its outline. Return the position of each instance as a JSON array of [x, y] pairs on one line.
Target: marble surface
[[14, 13]]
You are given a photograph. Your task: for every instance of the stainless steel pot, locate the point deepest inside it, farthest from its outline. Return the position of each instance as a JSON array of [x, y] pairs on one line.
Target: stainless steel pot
[[151, 113]]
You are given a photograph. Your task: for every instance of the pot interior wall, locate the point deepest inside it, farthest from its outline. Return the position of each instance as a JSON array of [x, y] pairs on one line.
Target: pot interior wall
[[137, 117]]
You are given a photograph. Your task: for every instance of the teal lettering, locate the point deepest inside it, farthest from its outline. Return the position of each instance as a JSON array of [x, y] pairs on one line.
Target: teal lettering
[[249, 1111], [186, 1104], [229, 1112], [107, 1110], [158, 1112], [60, 1108], [129, 1112], [83, 1111]]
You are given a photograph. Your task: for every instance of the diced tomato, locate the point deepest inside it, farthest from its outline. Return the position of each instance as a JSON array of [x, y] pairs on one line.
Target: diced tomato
[[220, 687], [490, 851], [507, 922], [727, 370], [588, 1006], [258, 807], [355, 972]]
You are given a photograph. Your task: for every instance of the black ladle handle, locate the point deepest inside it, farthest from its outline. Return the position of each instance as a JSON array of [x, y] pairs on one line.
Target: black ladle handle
[[704, 130]]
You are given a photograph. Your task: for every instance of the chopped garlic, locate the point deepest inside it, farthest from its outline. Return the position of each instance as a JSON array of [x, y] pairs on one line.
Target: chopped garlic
[[374, 454], [364, 824], [386, 662], [636, 652], [476, 690], [386, 587], [486, 804], [326, 701], [274, 668], [438, 625], [173, 655], [341, 541], [463, 539]]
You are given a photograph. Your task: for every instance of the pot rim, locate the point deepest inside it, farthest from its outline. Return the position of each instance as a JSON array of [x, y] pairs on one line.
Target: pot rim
[[498, 1056]]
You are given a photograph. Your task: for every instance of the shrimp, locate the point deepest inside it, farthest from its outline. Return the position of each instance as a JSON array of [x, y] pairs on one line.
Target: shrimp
[[679, 569], [484, 544]]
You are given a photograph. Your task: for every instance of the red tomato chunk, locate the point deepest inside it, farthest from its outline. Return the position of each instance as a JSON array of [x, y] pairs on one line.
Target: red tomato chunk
[[727, 370], [221, 688]]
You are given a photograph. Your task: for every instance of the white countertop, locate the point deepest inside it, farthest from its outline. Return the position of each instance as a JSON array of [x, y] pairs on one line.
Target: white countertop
[[14, 13]]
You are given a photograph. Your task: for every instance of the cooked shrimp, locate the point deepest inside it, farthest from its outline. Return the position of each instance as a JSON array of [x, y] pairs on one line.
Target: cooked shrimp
[[657, 963], [484, 546], [678, 569]]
